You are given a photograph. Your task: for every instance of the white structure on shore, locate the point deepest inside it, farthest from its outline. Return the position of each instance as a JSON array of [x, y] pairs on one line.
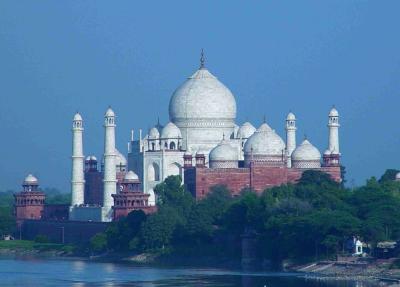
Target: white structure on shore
[[110, 177], [77, 177]]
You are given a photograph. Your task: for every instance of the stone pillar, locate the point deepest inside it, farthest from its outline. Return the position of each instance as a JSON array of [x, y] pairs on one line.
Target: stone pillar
[[109, 180], [77, 177], [333, 125], [290, 136]]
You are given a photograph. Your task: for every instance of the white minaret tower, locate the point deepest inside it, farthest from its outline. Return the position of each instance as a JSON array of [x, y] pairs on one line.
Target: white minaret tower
[[110, 181], [290, 135], [77, 178], [333, 125]]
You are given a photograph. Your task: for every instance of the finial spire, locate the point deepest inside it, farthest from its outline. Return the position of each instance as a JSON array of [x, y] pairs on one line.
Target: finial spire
[[264, 119], [202, 59]]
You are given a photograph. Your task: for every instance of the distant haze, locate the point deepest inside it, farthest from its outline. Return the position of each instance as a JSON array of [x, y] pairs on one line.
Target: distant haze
[[57, 57]]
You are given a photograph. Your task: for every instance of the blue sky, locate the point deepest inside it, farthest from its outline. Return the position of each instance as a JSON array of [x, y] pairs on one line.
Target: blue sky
[[57, 57]]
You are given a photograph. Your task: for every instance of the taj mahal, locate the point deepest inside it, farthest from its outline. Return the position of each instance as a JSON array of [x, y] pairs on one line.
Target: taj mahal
[[202, 142]]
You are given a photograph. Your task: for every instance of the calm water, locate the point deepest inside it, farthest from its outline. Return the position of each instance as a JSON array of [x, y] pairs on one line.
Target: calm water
[[34, 272]]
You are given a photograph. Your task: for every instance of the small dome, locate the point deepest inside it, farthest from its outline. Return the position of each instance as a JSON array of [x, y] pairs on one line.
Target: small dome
[[131, 176], [154, 133], [120, 159], [264, 141], [246, 130], [92, 157], [77, 117], [398, 176], [264, 128], [87, 158], [306, 152], [30, 179], [171, 131], [223, 152], [109, 113], [333, 112], [291, 117]]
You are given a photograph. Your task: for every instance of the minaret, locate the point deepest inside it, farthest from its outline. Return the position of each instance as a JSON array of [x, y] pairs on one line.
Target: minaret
[[110, 181], [290, 135], [77, 178], [333, 125]]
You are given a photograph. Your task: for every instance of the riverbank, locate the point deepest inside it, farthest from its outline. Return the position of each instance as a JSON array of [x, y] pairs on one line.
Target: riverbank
[[383, 270], [32, 248]]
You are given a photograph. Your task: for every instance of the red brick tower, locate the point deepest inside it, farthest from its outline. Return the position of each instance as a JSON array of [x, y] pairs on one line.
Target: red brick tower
[[93, 182], [130, 197], [29, 203]]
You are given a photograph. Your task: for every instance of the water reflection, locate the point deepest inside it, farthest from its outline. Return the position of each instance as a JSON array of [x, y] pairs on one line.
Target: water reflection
[[78, 273]]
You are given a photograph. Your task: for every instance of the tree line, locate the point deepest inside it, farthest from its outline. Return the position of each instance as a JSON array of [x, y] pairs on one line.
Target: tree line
[[310, 219]]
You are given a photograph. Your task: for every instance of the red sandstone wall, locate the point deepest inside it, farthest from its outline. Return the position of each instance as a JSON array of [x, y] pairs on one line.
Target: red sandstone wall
[[266, 177], [234, 178], [94, 187], [200, 180]]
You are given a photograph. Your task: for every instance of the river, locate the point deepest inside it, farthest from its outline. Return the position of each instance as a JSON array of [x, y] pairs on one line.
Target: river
[[45, 272]]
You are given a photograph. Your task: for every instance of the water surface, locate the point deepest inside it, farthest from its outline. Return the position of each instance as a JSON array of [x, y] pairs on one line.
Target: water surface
[[38, 272]]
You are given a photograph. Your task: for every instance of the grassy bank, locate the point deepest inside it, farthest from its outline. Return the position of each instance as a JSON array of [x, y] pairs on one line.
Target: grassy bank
[[30, 246]]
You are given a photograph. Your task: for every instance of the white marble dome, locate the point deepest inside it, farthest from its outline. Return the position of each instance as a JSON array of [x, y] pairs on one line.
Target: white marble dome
[[246, 130], [224, 155], [171, 131], [77, 117], [30, 179], [202, 96], [154, 133], [398, 176], [223, 151], [333, 112], [109, 113], [131, 176], [91, 157], [291, 117], [306, 156], [264, 141]]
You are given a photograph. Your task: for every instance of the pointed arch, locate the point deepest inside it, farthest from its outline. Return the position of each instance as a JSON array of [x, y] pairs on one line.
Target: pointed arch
[[153, 172]]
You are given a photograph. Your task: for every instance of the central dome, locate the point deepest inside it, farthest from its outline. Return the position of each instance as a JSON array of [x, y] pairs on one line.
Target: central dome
[[202, 97], [204, 110]]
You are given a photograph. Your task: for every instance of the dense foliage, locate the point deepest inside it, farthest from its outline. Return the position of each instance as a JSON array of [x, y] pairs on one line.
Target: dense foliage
[[310, 219]]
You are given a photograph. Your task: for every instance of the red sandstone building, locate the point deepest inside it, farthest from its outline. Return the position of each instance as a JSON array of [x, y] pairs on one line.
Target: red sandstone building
[[130, 197], [29, 204]]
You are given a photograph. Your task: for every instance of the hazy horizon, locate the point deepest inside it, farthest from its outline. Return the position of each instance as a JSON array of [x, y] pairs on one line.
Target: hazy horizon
[[59, 57]]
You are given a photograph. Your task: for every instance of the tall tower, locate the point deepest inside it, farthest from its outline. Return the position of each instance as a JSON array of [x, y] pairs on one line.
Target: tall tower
[[110, 181], [333, 125], [290, 135], [77, 177]]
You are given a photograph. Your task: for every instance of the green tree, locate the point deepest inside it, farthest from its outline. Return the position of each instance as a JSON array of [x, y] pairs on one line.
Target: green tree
[[7, 220], [98, 243], [389, 175], [158, 230], [171, 192]]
